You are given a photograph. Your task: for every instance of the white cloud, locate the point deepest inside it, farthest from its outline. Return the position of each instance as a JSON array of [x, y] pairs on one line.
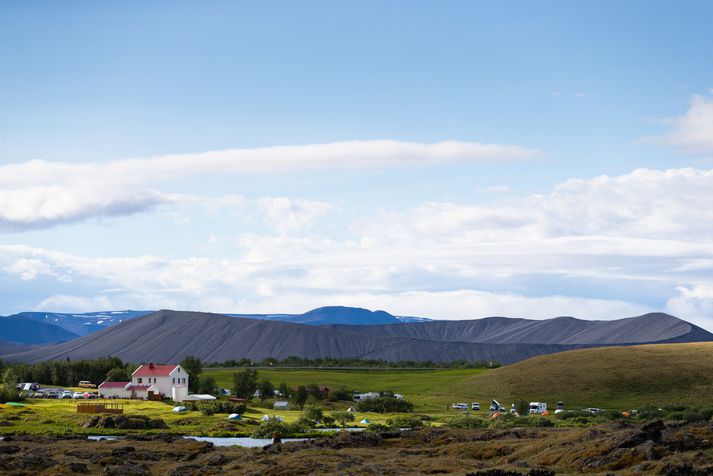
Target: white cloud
[[288, 214], [609, 246], [44, 206], [693, 131], [39, 194]]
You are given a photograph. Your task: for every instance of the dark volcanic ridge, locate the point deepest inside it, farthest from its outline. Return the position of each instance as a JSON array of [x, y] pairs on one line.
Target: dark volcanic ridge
[[169, 336]]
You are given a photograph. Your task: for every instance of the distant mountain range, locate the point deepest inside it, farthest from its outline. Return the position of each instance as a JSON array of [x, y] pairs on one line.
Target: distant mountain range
[[168, 336], [39, 328]]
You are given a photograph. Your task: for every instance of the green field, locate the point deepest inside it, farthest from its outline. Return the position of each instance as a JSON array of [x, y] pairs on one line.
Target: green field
[[613, 377], [430, 390]]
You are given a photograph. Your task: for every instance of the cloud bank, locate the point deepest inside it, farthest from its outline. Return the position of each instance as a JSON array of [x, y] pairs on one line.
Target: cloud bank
[[39, 194]]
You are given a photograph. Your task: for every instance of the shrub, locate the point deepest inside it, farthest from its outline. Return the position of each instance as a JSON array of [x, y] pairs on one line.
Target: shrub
[[385, 405], [649, 412], [212, 407], [271, 427], [377, 427], [312, 413], [466, 423], [404, 422], [328, 421], [342, 417], [341, 393], [9, 394]]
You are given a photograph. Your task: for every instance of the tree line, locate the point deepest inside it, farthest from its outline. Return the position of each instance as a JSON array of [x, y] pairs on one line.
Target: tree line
[[294, 361]]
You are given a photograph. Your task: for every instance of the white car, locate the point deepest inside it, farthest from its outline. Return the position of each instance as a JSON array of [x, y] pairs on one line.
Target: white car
[[78, 395], [475, 406], [459, 406], [66, 394]]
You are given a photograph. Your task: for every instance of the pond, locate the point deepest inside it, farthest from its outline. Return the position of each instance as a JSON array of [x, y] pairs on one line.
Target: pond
[[245, 442]]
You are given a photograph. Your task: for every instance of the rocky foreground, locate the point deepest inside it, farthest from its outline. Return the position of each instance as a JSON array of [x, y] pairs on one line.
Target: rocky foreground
[[672, 448]]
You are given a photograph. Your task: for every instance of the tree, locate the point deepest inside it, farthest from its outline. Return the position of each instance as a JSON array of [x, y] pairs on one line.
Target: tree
[[118, 375], [313, 413], [341, 393], [206, 385], [342, 417], [314, 390], [284, 390], [267, 390], [194, 367], [522, 408], [300, 397], [245, 383]]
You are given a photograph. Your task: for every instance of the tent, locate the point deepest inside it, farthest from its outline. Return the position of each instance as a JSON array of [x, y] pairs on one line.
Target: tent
[[234, 416], [350, 409], [265, 417], [365, 421], [179, 409]]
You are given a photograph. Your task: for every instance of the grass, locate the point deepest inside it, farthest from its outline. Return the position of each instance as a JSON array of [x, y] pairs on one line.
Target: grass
[[613, 377], [431, 391]]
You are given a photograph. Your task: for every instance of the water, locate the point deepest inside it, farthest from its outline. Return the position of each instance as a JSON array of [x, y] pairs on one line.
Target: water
[[104, 437], [340, 429], [245, 442]]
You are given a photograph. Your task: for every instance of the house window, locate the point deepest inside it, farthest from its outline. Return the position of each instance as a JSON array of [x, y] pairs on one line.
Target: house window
[[138, 380], [184, 379], [173, 380]]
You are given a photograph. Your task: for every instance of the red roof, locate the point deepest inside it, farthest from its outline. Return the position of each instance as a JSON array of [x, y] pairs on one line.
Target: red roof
[[113, 384], [138, 387], [151, 370]]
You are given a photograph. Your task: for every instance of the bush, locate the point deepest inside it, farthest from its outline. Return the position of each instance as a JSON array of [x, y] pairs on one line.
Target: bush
[[212, 407], [404, 422], [466, 423], [377, 427], [9, 394], [649, 412], [385, 405], [342, 417], [341, 393], [272, 427]]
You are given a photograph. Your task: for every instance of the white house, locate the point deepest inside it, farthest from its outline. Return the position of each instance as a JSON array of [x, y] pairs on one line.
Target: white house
[[170, 381], [162, 377]]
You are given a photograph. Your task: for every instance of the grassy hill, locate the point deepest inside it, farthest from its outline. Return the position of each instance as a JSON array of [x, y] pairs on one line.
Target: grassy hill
[[611, 377]]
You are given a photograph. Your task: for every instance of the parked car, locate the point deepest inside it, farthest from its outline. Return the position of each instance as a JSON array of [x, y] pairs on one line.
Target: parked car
[[86, 384], [52, 394], [459, 406], [90, 395], [66, 394], [593, 410], [475, 406], [78, 395], [38, 394]]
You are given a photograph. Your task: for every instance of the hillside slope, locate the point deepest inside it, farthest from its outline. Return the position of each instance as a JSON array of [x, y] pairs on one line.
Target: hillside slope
[[610, 377], [168, 336], [24, 330], [654, 327]]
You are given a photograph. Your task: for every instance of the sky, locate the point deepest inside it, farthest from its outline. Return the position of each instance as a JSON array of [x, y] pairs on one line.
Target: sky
[[453, 160]]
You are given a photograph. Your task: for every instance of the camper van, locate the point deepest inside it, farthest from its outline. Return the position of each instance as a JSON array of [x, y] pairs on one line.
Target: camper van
[[538, 407]]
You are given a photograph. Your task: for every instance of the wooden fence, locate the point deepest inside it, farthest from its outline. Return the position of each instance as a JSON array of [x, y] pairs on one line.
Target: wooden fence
[[108, 407]]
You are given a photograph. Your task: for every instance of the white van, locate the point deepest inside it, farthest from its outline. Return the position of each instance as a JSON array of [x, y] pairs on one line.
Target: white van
[[475, 406], [538, 407]]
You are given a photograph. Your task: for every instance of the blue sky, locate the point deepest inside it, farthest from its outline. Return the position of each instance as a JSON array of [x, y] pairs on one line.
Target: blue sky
[[448, 159]]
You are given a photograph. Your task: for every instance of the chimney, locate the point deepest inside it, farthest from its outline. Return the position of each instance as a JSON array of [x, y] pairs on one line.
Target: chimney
[[150, 365]]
